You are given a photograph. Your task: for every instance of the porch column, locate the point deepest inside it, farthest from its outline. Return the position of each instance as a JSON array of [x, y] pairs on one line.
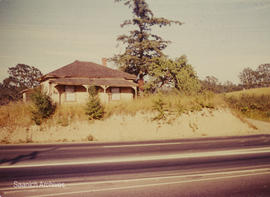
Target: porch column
[[86, 87], [55, 94], [104, 91], [24, 97], [136, 92]]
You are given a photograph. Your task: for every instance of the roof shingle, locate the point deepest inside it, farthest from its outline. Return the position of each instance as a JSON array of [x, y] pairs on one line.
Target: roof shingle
[[79, 69], [95, 82]]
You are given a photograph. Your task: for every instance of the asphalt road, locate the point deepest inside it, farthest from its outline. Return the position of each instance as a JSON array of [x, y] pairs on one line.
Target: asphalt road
[[229, 166]]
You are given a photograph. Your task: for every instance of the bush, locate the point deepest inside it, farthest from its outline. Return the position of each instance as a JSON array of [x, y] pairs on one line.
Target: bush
[[252, 106], [42, 107], [180, 108], [94, 109], [159, 107]]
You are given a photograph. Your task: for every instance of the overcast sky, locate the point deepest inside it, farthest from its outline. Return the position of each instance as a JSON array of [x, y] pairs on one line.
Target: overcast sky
[[219, 37]]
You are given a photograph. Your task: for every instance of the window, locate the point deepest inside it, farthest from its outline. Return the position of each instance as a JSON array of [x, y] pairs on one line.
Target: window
[[70, 95], [115, 94]]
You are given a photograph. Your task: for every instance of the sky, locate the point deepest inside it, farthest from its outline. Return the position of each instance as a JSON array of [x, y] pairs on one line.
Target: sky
[[219, 37]]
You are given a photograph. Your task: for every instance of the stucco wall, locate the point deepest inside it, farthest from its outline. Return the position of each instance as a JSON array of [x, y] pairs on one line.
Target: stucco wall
[[126, 93], [81, 94], [50, 90], [46, 87], [58, 94], [104, 98]]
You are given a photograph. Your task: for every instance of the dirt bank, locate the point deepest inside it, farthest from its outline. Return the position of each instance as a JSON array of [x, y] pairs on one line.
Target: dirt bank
[[206, 123]]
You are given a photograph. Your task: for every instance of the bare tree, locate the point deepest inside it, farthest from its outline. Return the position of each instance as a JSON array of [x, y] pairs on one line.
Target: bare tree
[[248, 78], [263, 73]]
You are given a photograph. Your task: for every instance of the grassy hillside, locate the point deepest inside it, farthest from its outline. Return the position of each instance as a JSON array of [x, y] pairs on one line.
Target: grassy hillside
[[164, 106], [157, 115], [254, 91], [252, 103]]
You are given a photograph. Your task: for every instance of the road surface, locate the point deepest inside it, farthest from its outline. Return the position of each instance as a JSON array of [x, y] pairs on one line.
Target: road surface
[[228, 166]]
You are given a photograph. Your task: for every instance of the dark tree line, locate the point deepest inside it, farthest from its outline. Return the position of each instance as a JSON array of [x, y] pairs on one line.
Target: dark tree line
[[211, 83], [249, 78], [21, 77]]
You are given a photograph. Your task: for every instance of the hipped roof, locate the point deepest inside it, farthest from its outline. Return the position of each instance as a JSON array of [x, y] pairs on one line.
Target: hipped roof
[[79, 69]]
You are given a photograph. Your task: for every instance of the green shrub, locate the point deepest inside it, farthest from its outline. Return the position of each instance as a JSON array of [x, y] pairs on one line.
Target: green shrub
[[159, 107], [94, 109], [194, 107], [180, 108], [252, 106], [42, 107]]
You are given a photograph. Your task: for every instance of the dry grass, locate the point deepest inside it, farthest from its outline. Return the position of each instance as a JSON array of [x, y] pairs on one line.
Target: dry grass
[[70, 123], [19, 114], [173, 102], [254, 91], [16, 114], [252, 103], [66, 114]]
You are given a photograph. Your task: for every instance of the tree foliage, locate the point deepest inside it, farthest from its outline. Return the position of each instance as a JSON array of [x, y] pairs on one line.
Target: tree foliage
[[142, 47], [259, 77], [42, 107], [211, 83], [20, 77], [23, 76], [94, 109], [176, 74], [248, 77], [263, 73]]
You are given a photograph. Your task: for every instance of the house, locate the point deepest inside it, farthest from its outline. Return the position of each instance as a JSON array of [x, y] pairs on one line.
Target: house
[[70, 83]]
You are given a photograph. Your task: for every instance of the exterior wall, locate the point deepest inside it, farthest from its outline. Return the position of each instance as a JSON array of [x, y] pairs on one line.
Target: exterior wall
[[54, 93], [50, 89], [45, 85], [81, 94], [61, 93], [126, 93], [58, 94], [104, 97], [27, 96]]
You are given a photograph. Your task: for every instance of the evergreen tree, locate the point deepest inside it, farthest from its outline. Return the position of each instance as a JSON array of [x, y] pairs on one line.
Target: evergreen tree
[[142, 46], [94, 109], [42, 107]]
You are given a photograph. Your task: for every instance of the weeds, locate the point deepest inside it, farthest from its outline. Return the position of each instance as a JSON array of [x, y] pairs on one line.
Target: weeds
[[167, 106], [15, 114], [251, 106], [160, 108]]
